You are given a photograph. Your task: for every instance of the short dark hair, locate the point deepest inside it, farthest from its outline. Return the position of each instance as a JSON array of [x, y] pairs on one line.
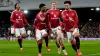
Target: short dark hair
[[69, 2], [15, 5], [41, 5]]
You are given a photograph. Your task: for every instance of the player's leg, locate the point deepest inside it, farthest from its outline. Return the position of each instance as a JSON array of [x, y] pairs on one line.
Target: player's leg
[[39, 41], [23, 35], [12, 37], [45, 35], [39, 47], [54, 35], [29, 35], [60, 39], [18, 35], [57, 44], [72, 41], [23, 32], [76, 36], [46, 40]]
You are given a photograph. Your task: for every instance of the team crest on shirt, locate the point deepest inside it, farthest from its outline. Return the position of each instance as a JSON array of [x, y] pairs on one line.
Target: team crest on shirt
[[16, 14], [66, 14], [52, 13], [55, 15], [72, 14], [19, 17]]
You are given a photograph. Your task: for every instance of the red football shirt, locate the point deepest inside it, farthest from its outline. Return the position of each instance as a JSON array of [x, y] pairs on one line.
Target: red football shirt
[[41, 22], [66, 15], [54, 16], [18, 18]]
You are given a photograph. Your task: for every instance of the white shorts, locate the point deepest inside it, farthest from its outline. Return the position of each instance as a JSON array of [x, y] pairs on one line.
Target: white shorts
[[12, 31], [70, 35], [40, 34], [56, 31], [19, 31], [60, 35]]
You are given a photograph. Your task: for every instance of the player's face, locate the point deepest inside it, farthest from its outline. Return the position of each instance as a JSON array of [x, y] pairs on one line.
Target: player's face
[[44, 8], [18, 6], [53, 5], [67, 6]]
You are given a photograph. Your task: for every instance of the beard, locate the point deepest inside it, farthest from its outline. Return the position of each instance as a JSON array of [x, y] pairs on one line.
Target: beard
[[43, 10], [67, 8]]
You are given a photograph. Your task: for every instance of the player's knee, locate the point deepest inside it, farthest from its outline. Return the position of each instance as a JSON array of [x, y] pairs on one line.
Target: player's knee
[[73, 42], [76, 34], [24, 35], [45, 35], [19, 37], [39, 42], [62, 45]]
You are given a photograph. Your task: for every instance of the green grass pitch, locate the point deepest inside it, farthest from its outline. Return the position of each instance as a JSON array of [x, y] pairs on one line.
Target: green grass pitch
[[11, 48]]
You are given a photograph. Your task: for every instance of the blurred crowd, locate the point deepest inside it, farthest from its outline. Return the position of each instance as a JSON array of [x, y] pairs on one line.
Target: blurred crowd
[[89, 29]]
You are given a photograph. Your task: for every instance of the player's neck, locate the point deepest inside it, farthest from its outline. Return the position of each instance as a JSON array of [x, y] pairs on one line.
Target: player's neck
[[42, 12], [53, 8], [68, 9], [17, 9]]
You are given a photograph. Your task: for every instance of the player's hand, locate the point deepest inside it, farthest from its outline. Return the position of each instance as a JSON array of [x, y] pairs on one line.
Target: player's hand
[[63, 30], [72, 29], [28, 25], [70, 19], [43, 19]]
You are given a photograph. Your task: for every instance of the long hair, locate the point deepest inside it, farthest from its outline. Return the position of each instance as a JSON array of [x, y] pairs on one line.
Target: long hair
[[15, 5]]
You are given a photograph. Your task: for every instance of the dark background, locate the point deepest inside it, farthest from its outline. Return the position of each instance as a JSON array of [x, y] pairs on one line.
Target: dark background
[[84, 15]]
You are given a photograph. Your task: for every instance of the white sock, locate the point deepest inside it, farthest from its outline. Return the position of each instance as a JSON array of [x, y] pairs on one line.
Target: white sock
[[65, 52], [21, 48]]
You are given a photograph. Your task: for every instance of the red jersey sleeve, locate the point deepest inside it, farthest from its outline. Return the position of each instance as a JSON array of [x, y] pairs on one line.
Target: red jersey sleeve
[[76, 19], [64, 16], [48, 15], [12, 18], [49, 25], [35, 23], [48, 20], [59, 13], [24, 19]]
